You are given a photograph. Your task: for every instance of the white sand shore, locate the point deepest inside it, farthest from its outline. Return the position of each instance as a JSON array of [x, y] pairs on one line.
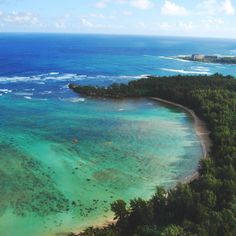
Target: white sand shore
[[201, 131]]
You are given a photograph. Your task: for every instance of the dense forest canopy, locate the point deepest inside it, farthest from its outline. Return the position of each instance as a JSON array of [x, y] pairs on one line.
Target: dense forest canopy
[[206, 206]]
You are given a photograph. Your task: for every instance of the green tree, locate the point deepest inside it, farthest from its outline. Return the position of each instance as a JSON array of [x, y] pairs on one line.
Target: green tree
[[173, 230], [119, 209]]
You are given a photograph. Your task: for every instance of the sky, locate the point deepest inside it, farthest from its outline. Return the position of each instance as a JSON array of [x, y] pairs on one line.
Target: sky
[[195, 18]]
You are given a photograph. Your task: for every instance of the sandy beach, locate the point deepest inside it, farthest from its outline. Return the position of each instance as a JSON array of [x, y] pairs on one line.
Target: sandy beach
[[201, 131]]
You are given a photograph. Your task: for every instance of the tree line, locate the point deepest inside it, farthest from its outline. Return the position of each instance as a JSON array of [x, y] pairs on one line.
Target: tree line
[[205, 206]]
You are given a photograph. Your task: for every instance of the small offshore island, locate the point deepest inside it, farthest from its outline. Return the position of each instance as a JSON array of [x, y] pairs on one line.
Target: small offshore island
[[209, 59], [207, 205]]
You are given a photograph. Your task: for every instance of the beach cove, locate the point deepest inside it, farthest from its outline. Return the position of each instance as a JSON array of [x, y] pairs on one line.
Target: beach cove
[[59, 149], [87, 155], [205, 141]]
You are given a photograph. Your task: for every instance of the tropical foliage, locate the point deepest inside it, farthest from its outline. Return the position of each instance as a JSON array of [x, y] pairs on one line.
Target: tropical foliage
[[206, 206]]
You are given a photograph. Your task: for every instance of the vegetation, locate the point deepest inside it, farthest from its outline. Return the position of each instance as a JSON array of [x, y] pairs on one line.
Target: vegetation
[[206, 206], [212, 59]]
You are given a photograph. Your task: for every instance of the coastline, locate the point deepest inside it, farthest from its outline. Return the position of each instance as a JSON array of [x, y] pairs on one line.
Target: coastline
[[201, 131], [205, 141], [99, 224]]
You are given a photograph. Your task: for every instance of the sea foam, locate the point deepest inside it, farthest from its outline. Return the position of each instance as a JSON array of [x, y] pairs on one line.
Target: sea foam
[[173, 58], [186, 71], [40, 79], [5, 91], [28, 97], [74, 99], [23, 94]]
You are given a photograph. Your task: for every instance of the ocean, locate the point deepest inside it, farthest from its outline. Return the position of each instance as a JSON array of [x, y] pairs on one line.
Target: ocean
[[65, 158]]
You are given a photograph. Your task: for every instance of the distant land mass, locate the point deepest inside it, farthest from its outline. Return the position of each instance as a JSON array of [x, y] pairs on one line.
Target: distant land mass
[[209, 58]]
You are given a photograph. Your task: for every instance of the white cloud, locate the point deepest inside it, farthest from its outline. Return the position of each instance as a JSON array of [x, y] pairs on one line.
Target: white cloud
[[212, 22], [172, 9], [20, 18], [97, 15], [165, 26], [185, 25], [141, 25], [102, 3], [100, 16], [227, 7], [207, 7], [121, 1], [214, 7], [60, 24], [141, 4], [86, 22], [180, 26], [218, 21]]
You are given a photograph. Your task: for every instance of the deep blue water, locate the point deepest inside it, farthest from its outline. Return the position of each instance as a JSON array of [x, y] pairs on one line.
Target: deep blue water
[[93, 55], [100, 59]]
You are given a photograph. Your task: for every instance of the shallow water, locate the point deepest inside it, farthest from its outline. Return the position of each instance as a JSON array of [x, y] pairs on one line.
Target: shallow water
[[62, 164], [65, 158]]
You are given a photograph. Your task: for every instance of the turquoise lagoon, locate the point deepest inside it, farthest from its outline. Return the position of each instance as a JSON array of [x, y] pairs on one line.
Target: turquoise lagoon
[[64, 161], [65, 158]]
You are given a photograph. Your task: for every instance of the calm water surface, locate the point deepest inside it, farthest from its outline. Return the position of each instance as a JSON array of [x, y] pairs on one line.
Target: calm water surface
[[65, 158]]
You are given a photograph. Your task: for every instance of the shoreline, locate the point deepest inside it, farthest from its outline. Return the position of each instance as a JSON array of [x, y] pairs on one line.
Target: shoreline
[[200, 129], [204, 139]]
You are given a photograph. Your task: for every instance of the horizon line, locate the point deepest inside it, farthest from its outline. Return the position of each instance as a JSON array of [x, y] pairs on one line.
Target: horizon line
[[119, 34]]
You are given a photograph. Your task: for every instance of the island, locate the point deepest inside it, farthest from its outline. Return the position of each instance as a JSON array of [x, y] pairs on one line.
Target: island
[[204, 206], [209, 58]]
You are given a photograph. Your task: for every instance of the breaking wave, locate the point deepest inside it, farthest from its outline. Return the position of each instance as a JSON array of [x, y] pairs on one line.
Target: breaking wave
[[40, 79], [173, 58], [186, 71], [5, 91]]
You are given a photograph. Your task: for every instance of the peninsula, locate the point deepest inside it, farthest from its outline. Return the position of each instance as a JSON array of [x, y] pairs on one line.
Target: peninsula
[[209, 58], [192, 208]]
